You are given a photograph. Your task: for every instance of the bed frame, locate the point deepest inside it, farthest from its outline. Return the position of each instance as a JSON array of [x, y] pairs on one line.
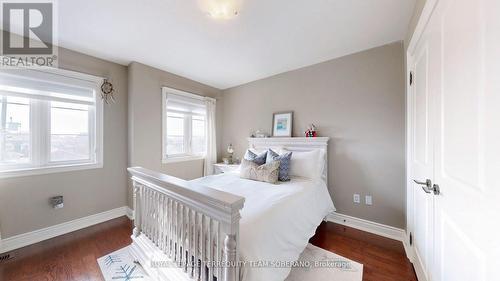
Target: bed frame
[[185, 231]]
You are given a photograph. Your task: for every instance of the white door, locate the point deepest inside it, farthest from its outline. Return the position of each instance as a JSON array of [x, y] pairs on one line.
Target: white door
[[421, 156], [463, 80], [467, 140]]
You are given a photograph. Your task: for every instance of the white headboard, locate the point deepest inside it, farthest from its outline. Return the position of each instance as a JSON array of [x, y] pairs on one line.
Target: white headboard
[[293, 144]]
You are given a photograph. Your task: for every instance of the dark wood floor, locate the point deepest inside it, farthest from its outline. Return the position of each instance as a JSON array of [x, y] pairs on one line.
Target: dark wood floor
[[383, 259], [73, 256]]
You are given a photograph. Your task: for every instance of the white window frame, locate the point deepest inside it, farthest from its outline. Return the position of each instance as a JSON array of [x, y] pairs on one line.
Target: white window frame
[[188, 155], [40, 134]]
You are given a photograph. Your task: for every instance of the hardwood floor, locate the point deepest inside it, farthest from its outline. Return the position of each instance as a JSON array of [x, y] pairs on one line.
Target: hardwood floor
[[68, 257], [73, 256], [383, 259]]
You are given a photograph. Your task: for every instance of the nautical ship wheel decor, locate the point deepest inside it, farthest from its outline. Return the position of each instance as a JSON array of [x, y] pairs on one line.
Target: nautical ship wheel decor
[[107, 91]]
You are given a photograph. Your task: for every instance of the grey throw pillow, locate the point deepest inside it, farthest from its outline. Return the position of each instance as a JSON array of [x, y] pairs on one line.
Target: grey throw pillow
[[284, 163], [259, 159], [266, 172]]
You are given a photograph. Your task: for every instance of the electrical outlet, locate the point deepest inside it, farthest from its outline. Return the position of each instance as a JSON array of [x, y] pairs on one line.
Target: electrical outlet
[[357, 198], [368, 200]]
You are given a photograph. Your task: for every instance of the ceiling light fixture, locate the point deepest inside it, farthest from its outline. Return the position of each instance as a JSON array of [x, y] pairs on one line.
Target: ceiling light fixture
[[221, 9]]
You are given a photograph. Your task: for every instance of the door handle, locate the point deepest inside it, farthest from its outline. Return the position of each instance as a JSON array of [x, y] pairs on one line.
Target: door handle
[[428, 187], [436, 190]]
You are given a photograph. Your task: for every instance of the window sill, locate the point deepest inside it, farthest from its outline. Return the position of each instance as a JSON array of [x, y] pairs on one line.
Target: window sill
[[49, 170], [181, 159]]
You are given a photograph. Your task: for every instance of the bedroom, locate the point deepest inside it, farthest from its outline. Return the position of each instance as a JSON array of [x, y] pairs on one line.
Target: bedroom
[[396, 181]]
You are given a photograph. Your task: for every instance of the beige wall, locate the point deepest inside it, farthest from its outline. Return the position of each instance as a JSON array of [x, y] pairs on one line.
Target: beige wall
[[357, 101], [24, 204], [145, 111]]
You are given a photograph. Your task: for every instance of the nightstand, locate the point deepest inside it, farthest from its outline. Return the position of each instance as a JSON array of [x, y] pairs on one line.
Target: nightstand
[[220, 168]]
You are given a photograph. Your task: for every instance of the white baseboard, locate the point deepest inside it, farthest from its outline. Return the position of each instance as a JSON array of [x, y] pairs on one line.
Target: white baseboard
[[419, 270], [36, 236], [369, 226]]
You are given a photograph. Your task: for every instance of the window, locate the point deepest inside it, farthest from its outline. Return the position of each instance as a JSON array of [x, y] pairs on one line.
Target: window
[[184, 126], [49, 121]]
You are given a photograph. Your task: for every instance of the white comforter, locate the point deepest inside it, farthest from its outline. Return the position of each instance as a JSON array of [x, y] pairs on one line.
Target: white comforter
[[277, 220]]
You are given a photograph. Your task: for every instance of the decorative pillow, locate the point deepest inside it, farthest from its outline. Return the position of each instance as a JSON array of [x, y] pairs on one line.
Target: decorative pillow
[[284, 163], [308, 164], [267, 172], [258, 159]]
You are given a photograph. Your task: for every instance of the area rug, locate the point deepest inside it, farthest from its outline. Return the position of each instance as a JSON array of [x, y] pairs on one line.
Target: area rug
[[314, 264], [317, 264], [119, 265]]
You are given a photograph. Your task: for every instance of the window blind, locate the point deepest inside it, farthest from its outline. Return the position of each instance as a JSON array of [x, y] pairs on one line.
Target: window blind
[[46, 86], [185, 105]]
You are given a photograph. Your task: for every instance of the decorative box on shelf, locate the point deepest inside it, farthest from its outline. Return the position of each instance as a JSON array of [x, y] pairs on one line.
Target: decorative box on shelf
[[220, 168]]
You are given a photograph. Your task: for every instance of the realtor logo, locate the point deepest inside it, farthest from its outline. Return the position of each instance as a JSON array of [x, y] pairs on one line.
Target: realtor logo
[[28, 33]]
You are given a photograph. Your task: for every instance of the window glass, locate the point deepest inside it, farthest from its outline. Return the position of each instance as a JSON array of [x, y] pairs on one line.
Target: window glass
[[198, 135], [15, 137], [69, 132], [175, 133]]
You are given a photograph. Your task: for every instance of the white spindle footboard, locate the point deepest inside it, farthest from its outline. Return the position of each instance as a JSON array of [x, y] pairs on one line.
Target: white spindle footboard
[[184, 231]]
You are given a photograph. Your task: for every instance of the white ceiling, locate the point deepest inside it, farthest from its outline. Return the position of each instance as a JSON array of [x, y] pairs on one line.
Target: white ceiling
[[267, 37]]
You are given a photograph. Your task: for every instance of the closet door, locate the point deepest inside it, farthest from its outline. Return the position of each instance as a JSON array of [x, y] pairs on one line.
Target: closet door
[[421, 151], [467, 140]]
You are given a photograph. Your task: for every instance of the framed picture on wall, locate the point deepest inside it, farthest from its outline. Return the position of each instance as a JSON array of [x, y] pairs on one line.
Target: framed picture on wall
[[282, 124]]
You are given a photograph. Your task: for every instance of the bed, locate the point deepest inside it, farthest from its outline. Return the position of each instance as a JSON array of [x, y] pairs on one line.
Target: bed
[[223, 227]]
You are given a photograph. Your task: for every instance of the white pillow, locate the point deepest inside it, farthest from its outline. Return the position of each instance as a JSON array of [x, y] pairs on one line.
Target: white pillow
[[308, 164]]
